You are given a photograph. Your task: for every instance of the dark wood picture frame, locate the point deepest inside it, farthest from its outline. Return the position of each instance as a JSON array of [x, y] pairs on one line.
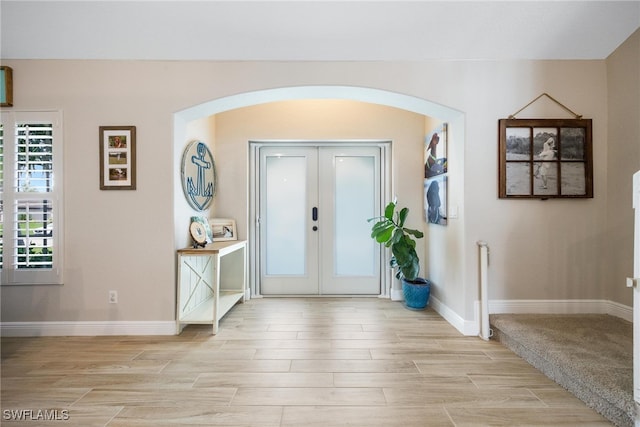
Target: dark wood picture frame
[[117, 157], [545, 158], [6, 86]]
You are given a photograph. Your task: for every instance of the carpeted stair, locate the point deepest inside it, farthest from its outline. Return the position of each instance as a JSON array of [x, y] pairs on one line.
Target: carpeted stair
[[589, 355]]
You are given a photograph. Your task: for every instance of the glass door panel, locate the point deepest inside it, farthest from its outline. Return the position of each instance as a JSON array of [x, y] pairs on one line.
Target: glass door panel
[[349, 195], [284, 215], [288, 192]]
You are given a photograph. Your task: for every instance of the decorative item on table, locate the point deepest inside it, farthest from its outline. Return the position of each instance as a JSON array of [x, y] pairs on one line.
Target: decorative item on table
[[223, 229], [200, 231], [198, 235]]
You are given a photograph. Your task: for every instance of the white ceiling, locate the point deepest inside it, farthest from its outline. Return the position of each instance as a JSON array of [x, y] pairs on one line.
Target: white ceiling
[[315, 30]]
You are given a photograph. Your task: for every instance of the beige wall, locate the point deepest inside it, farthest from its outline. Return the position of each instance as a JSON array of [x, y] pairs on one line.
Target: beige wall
[[623, 159], [318, 121], [315, 120], [125, 240]]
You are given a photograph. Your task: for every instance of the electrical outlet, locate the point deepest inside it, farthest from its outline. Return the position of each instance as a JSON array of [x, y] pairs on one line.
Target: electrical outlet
[[113, 297]]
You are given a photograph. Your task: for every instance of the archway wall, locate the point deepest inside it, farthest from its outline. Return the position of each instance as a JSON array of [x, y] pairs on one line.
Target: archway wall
[[343, 113]]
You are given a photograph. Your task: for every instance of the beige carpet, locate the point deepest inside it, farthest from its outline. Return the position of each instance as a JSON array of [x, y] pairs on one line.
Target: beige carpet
[[590, 355]]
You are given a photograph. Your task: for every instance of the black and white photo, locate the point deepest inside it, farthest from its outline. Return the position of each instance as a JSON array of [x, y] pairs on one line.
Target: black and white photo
[[545, 158]]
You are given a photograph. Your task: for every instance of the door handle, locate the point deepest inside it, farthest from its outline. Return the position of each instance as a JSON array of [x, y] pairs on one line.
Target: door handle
[[314, 214]]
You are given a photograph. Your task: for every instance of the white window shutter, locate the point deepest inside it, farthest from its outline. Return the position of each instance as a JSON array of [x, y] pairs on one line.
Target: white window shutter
[[32, 198]]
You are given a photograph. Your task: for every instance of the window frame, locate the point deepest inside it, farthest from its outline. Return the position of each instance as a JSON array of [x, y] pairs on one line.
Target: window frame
[[10, 197], [577, 159]]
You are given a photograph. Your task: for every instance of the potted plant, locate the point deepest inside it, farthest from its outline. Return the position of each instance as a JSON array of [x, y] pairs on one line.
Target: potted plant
[[390, 231]]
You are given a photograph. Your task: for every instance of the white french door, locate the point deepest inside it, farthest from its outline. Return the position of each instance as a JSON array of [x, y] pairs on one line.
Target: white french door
[[314, 202]]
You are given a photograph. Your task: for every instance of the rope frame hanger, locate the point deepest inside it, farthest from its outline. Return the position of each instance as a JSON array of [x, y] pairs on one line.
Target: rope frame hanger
[[572, 169], [577, 116]]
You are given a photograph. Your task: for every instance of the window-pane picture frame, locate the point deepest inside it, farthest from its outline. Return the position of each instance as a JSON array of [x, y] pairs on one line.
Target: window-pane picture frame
[[117, 157], [6, 86], [545, 158]]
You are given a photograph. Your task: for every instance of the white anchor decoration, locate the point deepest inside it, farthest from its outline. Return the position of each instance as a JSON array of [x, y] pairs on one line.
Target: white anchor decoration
[[200, 193]]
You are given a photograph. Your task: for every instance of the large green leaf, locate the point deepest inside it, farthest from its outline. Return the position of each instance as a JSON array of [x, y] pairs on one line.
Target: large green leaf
[[383, 234], [402, 251], [409, 241], [418, 234], [397, 236], [410, 271], [381, 225], [388, 211], [406, 258], [402, 216]]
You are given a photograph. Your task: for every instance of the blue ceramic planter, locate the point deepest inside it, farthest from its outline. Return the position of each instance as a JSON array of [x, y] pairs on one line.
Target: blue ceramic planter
[[416, 293]]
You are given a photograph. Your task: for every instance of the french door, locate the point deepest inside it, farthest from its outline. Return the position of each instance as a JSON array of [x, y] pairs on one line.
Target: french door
[[314, 202]]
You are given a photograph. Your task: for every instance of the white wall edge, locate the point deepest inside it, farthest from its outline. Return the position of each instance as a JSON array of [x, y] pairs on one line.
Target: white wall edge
[[396, 295], [465, 327], [50, 329]]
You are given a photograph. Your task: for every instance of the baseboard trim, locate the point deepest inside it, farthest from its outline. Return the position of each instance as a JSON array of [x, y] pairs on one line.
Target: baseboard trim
[[465, 327], [472, 327], [51, 329], [561, 307], [396, 295]]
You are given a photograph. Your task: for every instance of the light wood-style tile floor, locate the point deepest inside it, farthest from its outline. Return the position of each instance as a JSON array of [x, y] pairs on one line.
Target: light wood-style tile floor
[[294, 362]]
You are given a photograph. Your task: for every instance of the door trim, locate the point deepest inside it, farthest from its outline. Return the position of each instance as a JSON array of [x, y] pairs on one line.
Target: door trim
[[254, 196]]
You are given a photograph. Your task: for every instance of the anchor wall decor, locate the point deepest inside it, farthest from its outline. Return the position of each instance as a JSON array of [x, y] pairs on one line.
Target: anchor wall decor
[[198, 175]]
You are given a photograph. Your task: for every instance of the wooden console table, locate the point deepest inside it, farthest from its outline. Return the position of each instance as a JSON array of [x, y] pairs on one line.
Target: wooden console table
[[211, 280]]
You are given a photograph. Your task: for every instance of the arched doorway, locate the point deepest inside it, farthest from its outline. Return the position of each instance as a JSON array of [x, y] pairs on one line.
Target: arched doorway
[[365, 95]]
